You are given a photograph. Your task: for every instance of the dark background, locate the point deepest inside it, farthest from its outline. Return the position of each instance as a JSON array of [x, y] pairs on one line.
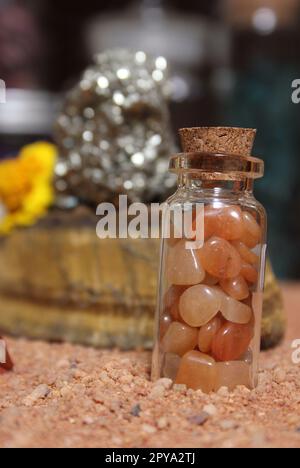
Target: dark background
[[43, 46]]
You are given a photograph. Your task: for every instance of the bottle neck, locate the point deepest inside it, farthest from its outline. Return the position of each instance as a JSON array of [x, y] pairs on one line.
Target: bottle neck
[[194, 183]]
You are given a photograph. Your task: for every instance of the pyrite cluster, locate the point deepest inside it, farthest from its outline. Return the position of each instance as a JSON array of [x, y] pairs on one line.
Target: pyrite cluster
[[114, 134]]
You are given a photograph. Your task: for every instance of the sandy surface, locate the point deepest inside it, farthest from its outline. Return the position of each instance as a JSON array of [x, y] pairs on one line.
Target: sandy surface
[[69, 396]]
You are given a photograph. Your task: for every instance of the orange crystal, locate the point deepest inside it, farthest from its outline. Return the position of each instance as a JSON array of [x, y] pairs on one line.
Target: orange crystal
[[179, 339], [224, 222], [235, 311], [184, 266], [210, 280], [207, 334], [235, 287], [232, 374], [199, 304], [165, 322], [220, 259], [197, 371], [231, 342], [171, 301], [249, 273], [252, 231], [246, 254]]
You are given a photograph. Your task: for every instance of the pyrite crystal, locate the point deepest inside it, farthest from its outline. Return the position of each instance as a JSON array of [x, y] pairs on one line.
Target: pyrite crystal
[[114, 134]]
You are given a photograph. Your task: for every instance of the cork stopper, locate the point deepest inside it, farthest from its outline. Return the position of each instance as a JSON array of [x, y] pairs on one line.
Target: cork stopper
[[229, 140]]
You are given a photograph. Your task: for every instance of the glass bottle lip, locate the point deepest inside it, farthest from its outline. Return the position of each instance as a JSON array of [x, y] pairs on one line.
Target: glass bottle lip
[[217, 166]]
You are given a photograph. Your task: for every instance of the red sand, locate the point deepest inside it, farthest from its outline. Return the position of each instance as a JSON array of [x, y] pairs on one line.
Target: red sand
[[69, 396]]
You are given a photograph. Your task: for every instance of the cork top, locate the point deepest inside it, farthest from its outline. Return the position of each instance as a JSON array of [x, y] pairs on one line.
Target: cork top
[[230, 140]]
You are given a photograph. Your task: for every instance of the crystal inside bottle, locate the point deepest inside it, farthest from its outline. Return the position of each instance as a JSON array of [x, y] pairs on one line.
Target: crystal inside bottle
[[211, 286]]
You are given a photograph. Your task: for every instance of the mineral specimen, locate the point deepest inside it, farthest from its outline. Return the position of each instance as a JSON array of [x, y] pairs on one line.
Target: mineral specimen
[[113, 133]]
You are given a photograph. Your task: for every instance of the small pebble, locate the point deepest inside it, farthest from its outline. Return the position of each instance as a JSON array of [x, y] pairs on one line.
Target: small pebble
[[88, 421], [166, 383], [199, 419], [228, 424], [162, 423], [136, 411], [210, 409], [126, 379], [104, 377], [149, 429], [180, 388], [41, 392], [157, 392], [279, 376]]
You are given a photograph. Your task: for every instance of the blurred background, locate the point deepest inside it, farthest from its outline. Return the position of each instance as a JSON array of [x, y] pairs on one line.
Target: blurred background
[[232, 62]]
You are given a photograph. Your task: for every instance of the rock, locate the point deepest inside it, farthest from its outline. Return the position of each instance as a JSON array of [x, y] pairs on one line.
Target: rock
[[228, 424], [162, 423], [197, 371], [158, 391], [180, 388], [165, 383], [279, 376], [149, 429], [136, 411], [211, 410], [41, 392], [199, 419]]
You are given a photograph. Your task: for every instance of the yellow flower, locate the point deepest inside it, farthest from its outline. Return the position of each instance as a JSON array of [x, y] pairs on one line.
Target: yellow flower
[[26, 186]]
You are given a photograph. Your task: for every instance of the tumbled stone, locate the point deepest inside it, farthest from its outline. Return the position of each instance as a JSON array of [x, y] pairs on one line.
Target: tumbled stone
[[235, 287], [235, 311], [249, 273], [207, 334], [246, 254], [252, 234], [197, 371], [225, 222], [184, 266], [199, 304], [232, 341], [179, 339], [220, 259], [232, 374]]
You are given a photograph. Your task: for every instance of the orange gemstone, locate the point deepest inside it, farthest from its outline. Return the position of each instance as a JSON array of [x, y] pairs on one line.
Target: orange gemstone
[[197, 371], [165, 322], [224, 222], [199, 304], [171, 301], [232, 374], [171, 366], [249, 273], [235, 287], [252, 231], [179, 339], [184, 266], [246, 254], [235, 311], [232, 341], [220, 259], [207, 334], [210, 280]]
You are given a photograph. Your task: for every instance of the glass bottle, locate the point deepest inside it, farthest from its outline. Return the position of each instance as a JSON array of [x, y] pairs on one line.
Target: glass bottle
[[208, 322]]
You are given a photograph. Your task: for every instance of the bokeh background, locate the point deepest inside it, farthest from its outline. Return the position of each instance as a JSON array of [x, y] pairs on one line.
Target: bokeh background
[[232, 62]]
